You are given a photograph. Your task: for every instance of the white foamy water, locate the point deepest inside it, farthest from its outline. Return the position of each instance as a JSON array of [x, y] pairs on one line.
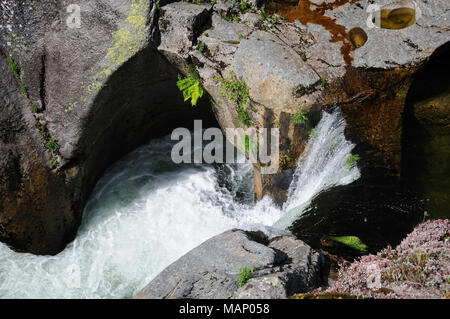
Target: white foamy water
[[321, 166], [146, 212]]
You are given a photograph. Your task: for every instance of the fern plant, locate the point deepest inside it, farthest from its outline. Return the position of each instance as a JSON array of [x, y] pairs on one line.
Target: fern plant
[[190, 87]]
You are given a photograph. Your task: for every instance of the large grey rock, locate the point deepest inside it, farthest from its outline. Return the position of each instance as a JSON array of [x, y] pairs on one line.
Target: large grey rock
[[282, 267], [289, 65], [274, 73], [181, 24]]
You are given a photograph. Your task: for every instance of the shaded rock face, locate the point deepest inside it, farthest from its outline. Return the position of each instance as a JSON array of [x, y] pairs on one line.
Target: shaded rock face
[[93, 96], [426, 142], [35, 203], [281, 267]]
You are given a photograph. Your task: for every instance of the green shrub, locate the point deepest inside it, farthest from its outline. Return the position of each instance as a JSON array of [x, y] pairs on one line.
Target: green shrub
[[300, 117]]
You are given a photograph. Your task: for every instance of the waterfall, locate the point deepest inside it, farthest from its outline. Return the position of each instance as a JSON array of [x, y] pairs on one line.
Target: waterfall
[[322, 165], [146, 212]]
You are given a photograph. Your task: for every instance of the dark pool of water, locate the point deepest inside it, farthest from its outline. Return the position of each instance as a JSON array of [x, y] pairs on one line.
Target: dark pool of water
[[379, 214]]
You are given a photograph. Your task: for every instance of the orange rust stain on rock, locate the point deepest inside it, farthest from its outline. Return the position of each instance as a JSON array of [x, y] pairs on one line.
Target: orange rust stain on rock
[[303, 11]]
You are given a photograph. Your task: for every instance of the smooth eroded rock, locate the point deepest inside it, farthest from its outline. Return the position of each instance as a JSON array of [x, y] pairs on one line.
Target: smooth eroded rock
[[280, 267]]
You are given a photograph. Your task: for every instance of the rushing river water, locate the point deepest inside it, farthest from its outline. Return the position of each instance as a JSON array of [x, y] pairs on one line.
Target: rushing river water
[[146, 212]]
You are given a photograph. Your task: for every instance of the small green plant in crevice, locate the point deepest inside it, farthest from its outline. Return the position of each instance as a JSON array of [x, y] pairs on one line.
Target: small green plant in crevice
[[244, 6], [33, 109], [51, 144], [323, 80], [268, 18], [303, 56], [236, 90], [23, 89], [232, 17], [300, 117], [240, 36], [289, 157], [13, 67], [243, 118], [245, 274], [351, 160], [15, 70], [201, 46], [190, 86], [249, 144], [312, 132], [55, 162]]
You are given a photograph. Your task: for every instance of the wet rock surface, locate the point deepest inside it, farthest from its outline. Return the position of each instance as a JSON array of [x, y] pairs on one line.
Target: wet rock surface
[[280, 267]]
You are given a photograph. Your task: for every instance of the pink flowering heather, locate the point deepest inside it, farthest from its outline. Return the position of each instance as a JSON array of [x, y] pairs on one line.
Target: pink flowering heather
[[417, 268]]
